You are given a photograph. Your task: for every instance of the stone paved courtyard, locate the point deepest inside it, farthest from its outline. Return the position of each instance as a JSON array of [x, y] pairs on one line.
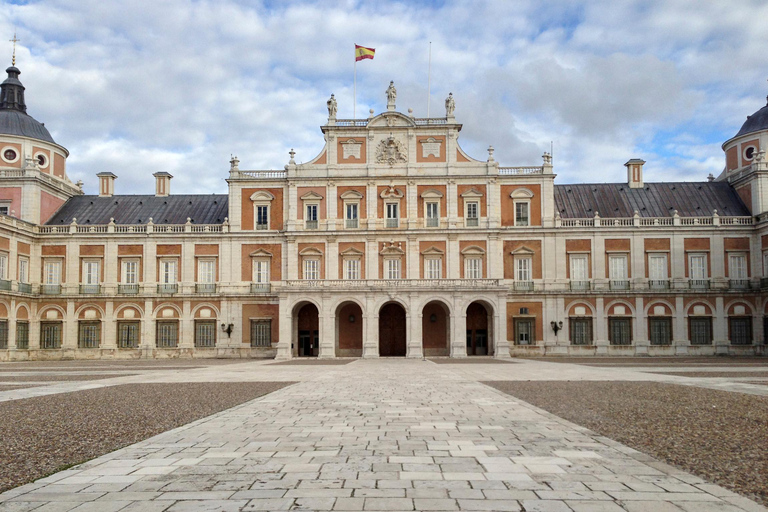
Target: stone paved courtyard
[[379, 435]]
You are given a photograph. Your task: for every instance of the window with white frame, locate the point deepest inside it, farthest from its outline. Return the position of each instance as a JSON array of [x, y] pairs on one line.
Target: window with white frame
[[657, 268], [206, 271], [392, 214], [352, 215], [697, 267], [261, 333], [473, 267], [523, 265], [522, 209], [261, 209], [660, 330], [311, 269], [579, 264], [130, 272], [432, 213], [765, 264], [167, 333], [24, 270], [261, 270], [392, 267], [262, 216], [617, 267], [168, 271], [3, 266], [52, 272], [352, 268], [700, 328], [620, 330], [310, 215], [580, 329], [91, 272], [472, 214], [524, 331], [434, 267], [737, 266]]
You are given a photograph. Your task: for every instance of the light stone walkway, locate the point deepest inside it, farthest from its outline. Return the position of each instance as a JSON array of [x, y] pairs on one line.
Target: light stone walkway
[[377, 435]]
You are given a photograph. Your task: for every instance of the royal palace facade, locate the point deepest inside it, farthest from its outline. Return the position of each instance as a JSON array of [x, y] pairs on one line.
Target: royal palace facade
[[391, 242]]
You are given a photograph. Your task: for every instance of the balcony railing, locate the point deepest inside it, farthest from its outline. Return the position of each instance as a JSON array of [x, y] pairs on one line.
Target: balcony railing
[[352, 223], [433, 222], [658, 284], [90, 289], [310, 224], [764, 282], [523, 286], [205, 288], [698, 284], [50, 289], [472, 222], [392, 223], [25, 288], [128, 289], [619, 284], [260, 287], [168, 288], [5, 284], [580, 285], [739, 284], [373, 284], [262, 226]]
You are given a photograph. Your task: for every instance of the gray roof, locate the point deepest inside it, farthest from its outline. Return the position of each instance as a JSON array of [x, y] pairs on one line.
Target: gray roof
[[756, 122], [690, 199], [13, 122], [125, 209]]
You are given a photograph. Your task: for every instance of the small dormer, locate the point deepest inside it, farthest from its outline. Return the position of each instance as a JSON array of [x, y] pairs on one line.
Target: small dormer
[[635, 173]]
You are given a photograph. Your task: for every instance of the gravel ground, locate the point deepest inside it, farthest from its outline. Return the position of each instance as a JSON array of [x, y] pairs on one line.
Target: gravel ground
[[469, 360], [42, 435], [157, 364], [682, 361], [9, 387], [739, 373], [717, 435], [313, 362], [61, 378]]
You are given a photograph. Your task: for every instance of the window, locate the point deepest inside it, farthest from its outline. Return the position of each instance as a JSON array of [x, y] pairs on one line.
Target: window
[[261, 333], [3, 334], [262, 216], [206, 271], [620, 331], [128, 334], [4, 209], [261, 201], [205, 333], [697, 270], [22, 335], [50, 335], [524, 331], [473, 213], [740, 328], [23, 270], [3, 266], [521, 213], [89, 334], [617, 272], [91, 272], [168, 271], [261, 271], [351, 215], [765, 264], [167, 335], [581, 331], [737, 266], [52, 272], [311, 216], [658, 270], [311, 269], [434, 268], [392, 219], [473, 268], [660, 330], [352, 268], [433, 214], [130, 272], [700, 329], [579, 264], [393, 268], [523, 268]]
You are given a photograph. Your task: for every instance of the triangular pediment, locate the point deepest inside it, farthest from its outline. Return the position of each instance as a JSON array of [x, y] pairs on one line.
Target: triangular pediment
[[472, 193], [433, 251], [392, 250], [262, 195], [473, 250], [351, 194], [432, 194], [390, 120], [351, 251], [312, 196], [523, 251], [260, 253], [311, 251]]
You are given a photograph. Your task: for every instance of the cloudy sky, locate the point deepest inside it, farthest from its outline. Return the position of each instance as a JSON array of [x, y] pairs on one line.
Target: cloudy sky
[[175, 85]]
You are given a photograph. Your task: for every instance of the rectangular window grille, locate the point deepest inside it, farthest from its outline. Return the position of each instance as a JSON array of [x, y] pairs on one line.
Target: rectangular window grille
[[700, 330], [352, 269], [393, 269], [167, 335], [261, 333], [50, 335], [262, 217], [741, 330], [521, 214], [581, 331], [473, 268], [524, 331], [472, 214], [312, 270], [89, 334], [22, 335], [205, 333], [660, 330], [128, 334], [434, 268], [3, 334], [620, 331]]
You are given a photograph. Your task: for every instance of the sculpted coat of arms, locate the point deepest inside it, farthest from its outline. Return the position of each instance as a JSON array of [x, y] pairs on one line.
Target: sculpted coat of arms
[[391, 151]]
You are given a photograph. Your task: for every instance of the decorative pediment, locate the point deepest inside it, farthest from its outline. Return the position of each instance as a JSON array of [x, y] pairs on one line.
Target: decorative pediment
[[432, 194], [392, 250], [391, 193], [430, 147], [391, 120], [311, 196], [351, 195], [391, 151], [433, 251], [262, 195], [350, 148], [351, 252], [523, 251], [473, 250], [521, 193], [310, 251], [260, 253], [472, 193]]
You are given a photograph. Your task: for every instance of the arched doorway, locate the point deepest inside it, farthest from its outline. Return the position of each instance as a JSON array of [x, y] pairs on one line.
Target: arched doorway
[[479, 336], [308, 330], [349, 330], [392, 330], [435, 329]]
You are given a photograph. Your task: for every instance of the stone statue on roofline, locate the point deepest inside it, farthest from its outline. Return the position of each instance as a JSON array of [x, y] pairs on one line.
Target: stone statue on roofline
[[332, 107], [391, 95], [450, 105]]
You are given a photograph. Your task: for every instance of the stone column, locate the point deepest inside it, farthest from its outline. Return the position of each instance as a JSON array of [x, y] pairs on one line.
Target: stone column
[[327, 320], [148, 329], [293, 204], [371, 199], [150, 269], [372, 259], [453, 258], [371, 336], [413, 205], [452, 203], [501, 345], [12, 328], [458, 347], [291, 257], [640, 326], [187, 328], [188, 263], [332, 269], [108, 332], [331, 204], [415, 346], [720, 327], [680, 330], [493, 203], [286, 330], [413, 257], [600, 327]]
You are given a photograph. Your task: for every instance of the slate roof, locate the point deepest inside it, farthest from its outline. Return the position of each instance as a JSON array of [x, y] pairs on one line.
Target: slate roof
[[756, 122], [13, 122], [130, 209], [690, 199]]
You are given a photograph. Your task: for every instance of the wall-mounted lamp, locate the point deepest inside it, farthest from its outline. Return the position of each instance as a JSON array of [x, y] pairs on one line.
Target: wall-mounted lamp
[[556, 326], [227, 328], [351, 319], [433, 318]]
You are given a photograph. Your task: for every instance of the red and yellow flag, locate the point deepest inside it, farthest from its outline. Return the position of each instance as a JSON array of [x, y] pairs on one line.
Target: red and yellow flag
[[361, 52]]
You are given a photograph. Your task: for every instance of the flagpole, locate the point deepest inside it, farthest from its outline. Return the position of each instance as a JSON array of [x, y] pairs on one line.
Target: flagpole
[[429, 78], [354, 93]]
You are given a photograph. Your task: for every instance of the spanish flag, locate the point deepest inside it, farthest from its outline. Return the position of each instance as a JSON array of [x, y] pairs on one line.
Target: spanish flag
[[361, 52]]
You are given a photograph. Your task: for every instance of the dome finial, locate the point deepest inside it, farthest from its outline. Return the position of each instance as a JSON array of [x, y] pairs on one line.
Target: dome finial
[[14, 41]]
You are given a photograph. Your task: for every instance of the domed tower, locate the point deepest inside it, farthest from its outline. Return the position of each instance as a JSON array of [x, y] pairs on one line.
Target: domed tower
[[746, 166], [33, 179]]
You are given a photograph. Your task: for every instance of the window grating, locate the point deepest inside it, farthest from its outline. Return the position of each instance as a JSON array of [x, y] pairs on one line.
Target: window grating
[[620, 331], [261, 333], [167, 335], [581, 331], [128, 334], [50, 335], [89, 334], [22, 335], [205, 333]]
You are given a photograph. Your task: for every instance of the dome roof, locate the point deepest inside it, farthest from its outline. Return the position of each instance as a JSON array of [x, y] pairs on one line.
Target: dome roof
[[14, 119], [756, 122]]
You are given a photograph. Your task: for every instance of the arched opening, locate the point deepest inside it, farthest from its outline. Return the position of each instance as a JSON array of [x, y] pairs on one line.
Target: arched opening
[[392, 330], [435, 329], [349, 330], [308, 331], [479, 332]]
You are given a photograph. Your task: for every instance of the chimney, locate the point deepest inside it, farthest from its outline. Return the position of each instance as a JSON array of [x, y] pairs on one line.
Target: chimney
[[162, 184], [106, 184], [635, 173]]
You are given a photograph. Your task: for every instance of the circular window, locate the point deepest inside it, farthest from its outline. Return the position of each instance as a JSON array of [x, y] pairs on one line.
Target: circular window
[[10, 155], [41, 160], [749, 152]]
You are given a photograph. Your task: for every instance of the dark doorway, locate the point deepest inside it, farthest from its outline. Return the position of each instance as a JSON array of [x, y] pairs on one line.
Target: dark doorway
[[349, 330], [478, 343], [434, 329], [392, 331], [309, 331]]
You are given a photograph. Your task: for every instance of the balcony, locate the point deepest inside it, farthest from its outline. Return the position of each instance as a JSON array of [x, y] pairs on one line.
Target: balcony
[[260, 287], [658, 284], [581, 285], [433, 222], [352, 223], [472, 222], [391, 223], [763, 282], [205, 288], [50, 289], [739, 284], [523, 286], [168, 288], [262, 226], [389, 284], [5, 284], [698, 284], [90, 289], [128, 289], [619, 284], [310, 224], [25, 288]]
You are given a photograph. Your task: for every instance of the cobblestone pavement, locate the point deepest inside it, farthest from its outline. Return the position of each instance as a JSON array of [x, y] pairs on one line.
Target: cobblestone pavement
[[378, 435]]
